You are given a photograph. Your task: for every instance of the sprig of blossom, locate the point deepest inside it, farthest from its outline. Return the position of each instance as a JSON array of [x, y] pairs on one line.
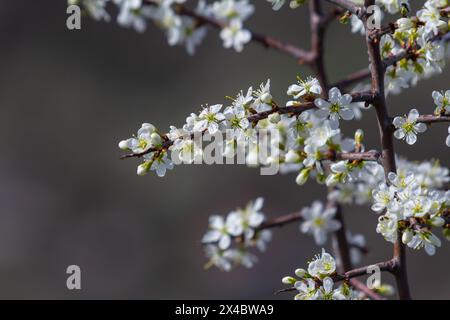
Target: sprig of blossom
[[412, 209], [242, 225], [316, 283]]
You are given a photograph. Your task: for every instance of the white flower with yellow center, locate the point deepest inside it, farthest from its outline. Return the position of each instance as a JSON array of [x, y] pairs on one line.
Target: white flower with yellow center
[[318, 221], [408, 127]]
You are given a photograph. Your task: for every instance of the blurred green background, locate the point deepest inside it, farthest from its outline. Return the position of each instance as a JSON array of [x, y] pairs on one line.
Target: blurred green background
[[68, 97]]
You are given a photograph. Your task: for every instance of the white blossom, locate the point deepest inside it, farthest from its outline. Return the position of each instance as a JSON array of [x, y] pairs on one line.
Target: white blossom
[[407, 127], [233, 35], [336, 108], [209, 119], [442, 101], [318, 221], [323, 265], [310, 86]]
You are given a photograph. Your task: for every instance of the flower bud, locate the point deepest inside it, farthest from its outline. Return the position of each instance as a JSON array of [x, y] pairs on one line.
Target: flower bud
[[345, 18], [300, 273], [446, 233], [155, 139], [407, 236], [359, 136], [294, 4], [288, 280], [291, 156], [266, 97], [333, 179], [437, 222], [123, 145], [274, 118], [303, 176], [142, 169]]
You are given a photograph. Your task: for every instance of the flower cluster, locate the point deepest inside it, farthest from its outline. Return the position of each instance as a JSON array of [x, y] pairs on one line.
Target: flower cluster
[[303, 144], [316, 283], [409, 207], [242, 226], [419, 33], [180, 29], [429, 174]]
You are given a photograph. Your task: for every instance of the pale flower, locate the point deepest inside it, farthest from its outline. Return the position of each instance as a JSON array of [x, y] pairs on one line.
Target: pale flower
[[336, 108], [305, 87], [407, 127], [209, 119], [322, 266], [319, 221], [233, 35]]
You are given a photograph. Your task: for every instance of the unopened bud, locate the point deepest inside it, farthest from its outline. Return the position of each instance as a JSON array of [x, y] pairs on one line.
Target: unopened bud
[[407, 236], [437, 222], [294, 4], [288, 280], [359, 136], [291, 156], [155, 139], [300, 273], [123, 145], [142, 169], [345, 18], [266, 97], [303, 176], [274, 118]]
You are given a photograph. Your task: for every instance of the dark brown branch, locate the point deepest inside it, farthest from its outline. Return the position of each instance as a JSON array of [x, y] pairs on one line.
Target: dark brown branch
[[291, 218], [431, 118], [318, 30], [377, 71], [304, 57], [341, 246], [365, 289]]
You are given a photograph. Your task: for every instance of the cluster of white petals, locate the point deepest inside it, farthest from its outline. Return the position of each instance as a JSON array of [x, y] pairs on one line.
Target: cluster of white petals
[[411, 205], [240, 225], [316, 283], [180, 29]]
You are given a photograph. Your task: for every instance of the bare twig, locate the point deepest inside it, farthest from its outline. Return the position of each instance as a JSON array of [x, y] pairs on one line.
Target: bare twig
[[430, 118]]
